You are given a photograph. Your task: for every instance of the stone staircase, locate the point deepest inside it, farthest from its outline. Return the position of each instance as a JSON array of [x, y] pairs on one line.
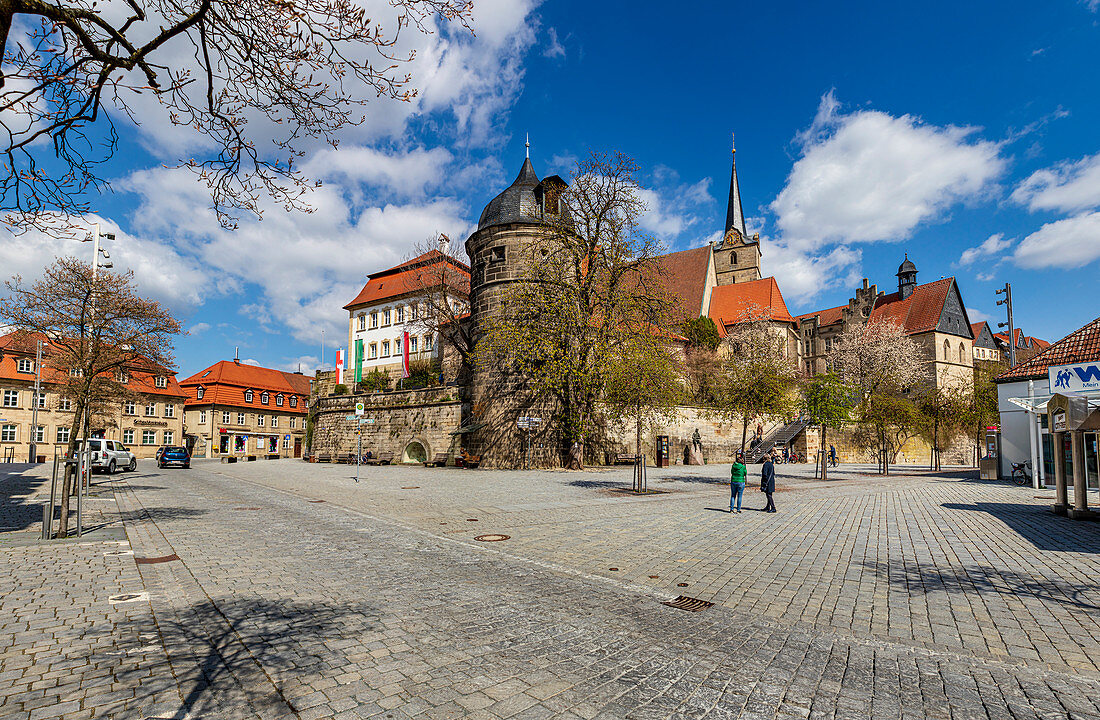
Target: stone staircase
[[779, 436]]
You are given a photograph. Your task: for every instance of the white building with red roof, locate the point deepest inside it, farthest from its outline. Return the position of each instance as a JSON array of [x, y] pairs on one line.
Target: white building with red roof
[[238, 410], [398, 300]]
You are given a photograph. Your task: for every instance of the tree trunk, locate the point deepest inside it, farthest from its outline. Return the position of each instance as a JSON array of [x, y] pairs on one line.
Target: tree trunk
[[68, 480], [576, 456], [744, 431], [824, 457], [885, 455]]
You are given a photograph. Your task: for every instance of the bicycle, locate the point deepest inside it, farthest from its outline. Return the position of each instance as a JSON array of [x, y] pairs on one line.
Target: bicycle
[[1020, 475]]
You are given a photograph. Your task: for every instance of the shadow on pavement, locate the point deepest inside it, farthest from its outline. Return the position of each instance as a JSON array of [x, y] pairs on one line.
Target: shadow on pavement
[[231, 657], [17, 512], [1039, 526], [162, 513], [986, 580]]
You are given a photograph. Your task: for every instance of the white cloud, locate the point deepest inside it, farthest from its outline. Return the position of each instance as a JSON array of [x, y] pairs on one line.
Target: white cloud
[[408, 173], [977, 316], [802, 275], [993, 245], [1068, 243], [251, 361], [308, 364], [869, 176], [1067, 186], [554, 48], [198, 328], [673, 207]]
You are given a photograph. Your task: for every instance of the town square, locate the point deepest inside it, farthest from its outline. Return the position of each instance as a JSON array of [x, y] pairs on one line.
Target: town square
[[479, 359]]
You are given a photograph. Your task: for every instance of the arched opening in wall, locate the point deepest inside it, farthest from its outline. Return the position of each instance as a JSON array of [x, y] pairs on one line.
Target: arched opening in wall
[[414, 453], [733, 258]]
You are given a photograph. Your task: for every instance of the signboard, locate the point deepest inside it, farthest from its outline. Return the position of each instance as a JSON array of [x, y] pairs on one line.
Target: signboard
[[1072, 379], [360, 408], [350, 417], [366, 421], [1058, 418], [528, 423]]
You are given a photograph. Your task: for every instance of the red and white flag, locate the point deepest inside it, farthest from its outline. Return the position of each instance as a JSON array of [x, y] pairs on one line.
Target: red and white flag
[[339, 366], [405, 354]]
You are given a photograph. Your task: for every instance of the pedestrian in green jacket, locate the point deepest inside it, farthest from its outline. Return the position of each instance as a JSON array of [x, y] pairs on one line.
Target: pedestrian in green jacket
[[737, 482]]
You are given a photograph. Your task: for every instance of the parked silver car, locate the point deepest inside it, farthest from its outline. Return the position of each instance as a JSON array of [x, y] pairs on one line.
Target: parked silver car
[[108, 455]]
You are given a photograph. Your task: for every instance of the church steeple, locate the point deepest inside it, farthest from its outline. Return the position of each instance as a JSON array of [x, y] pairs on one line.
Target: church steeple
[[735, 216]]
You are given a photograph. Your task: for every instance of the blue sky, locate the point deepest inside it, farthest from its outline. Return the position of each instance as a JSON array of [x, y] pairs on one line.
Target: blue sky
[[961, 133]]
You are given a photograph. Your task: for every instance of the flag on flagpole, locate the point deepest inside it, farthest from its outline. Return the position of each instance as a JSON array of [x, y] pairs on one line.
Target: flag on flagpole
[[339, 365], [405, 355]]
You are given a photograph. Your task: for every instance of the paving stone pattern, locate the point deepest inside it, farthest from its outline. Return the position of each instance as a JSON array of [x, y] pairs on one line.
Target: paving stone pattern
[[367, 605]]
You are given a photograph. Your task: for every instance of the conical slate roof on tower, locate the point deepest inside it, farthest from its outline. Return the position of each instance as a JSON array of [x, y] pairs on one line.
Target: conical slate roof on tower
[[516, 203], [735, 216]]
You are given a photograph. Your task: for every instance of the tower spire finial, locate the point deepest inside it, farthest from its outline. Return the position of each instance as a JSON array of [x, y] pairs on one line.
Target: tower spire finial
[[735, 216], [733, 145], [527, 144]]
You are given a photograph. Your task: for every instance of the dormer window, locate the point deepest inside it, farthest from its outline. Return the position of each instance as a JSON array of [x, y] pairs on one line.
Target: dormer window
[[124, 377], [248, 396], [199, 392], [264, 397], [293, 401], [161, 381], [279, 400], [24, 365]]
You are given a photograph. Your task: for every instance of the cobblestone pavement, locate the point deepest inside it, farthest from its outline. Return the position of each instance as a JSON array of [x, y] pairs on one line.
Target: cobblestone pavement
[[318, 597]]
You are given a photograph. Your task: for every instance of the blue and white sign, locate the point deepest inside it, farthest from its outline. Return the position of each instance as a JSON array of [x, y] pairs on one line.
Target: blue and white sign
[[1070, 379]]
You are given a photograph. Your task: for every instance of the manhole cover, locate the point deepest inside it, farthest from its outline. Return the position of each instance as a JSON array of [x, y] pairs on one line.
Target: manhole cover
[[683, 602], [492, 538], [155, 560], [128, 598]]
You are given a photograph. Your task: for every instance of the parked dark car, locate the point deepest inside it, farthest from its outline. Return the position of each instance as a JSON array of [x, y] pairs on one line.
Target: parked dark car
[[174, 455]]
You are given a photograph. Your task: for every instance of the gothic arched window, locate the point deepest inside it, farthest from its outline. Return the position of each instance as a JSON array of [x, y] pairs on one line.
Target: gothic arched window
[[733, 258], [946, 349], [962, 353]]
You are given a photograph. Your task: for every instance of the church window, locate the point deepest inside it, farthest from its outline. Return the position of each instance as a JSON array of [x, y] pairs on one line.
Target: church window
[[946, 350], [962, 353], [733, 258]]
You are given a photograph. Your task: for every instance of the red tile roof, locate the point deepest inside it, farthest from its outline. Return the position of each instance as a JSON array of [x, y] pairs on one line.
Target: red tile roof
[[1022, 341], [729, 304], [141, 375], [411, 276], [684, 276], [225, 383], [920, 312], [1079, 346], [827, 316], [976, 329]]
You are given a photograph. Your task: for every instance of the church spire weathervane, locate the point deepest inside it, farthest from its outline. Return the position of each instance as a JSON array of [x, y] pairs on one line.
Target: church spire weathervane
[[528, 145]]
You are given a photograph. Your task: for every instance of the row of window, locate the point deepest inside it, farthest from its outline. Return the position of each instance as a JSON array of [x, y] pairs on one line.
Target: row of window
[[26, 365], [10, 433], [261, 420], [11, 400], [809, 346], [249, 396], [389, 316], [372, 350]]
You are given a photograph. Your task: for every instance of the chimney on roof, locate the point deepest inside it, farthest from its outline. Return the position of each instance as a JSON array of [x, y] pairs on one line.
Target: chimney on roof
[[237, 355], [444, 243]]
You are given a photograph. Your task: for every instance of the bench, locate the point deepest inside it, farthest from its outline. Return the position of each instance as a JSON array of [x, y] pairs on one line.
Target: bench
[[229, 459], [468, 460], [625, 459], [346, 458], [383, 459], [324, 457], [440, 460]]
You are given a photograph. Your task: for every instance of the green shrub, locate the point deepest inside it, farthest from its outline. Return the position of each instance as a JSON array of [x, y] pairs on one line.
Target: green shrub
[[340, 389], [374, 381]]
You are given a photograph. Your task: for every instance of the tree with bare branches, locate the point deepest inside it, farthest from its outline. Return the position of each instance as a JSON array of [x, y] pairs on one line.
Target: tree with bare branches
[[590, 287], [441, 289], [255, 80], [99, 330], [757, 375], [881, 363]]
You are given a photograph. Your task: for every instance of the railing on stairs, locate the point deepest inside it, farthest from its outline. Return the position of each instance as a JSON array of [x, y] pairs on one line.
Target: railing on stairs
[[780, 436]]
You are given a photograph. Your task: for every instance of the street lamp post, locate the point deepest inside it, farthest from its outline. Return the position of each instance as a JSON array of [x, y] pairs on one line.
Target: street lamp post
[[1007, 292], [34, 405]]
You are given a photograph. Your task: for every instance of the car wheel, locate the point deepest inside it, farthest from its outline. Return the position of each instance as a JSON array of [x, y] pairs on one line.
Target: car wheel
[[111, 468], [133, 465], [187, 466]]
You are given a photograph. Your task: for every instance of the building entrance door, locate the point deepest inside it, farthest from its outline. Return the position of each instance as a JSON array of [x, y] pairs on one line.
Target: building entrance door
[[1092, 461], [223, 444], [297, 447]]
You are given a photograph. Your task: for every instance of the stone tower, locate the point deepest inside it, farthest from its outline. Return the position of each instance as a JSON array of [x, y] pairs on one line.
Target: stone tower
[[737, 257], [907, 277], [512, 230]]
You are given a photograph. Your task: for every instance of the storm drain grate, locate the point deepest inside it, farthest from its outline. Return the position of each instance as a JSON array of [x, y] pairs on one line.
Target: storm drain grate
[[491, 538], [155, 560], [683, 602]]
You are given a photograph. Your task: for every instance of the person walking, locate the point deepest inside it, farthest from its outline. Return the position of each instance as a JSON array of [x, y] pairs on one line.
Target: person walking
[[767, 484], [832, 456], [738, 473]]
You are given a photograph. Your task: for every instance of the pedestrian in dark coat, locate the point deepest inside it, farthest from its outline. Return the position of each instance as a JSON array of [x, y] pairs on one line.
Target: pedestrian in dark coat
[[767, 484]]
